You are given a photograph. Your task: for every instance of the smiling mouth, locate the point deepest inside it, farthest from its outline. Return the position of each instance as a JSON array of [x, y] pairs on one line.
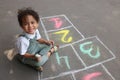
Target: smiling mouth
[[31, 30]]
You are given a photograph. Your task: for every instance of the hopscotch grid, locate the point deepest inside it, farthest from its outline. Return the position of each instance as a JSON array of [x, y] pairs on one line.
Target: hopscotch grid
[[78, 56], [74, 71], [64, 74], [107, 72], [106, 47], [107, 60], [73, 76], [102, 44], [68, 73], [83, 39], [44, 29], [59, 29], [57, 16], [65, 45], [74, 26], [99, 41], [52, 16], [68, 21], [87, 67], [62, 46], [95, 66]]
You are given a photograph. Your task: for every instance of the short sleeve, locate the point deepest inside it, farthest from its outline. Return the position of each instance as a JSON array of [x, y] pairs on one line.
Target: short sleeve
[[22, 45], [38, 34]]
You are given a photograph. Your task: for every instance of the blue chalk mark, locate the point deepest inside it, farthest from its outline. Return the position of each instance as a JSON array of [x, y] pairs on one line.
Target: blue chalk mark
[[89, 50], [64, 57]]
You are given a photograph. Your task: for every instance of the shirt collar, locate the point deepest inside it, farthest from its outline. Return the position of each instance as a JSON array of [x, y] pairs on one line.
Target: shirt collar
[[30, 36]]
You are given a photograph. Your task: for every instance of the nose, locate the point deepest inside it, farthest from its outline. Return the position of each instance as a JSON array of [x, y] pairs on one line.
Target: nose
[[30, 25]]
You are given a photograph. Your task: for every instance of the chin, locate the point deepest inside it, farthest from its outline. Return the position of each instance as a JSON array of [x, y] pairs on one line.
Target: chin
[[31, 32]]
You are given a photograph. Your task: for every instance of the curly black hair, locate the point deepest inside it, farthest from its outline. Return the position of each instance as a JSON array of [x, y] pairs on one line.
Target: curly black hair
[[25, 12]]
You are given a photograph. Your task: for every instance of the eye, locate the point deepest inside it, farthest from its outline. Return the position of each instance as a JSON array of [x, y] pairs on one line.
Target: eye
[[24, 24], [32, 22]]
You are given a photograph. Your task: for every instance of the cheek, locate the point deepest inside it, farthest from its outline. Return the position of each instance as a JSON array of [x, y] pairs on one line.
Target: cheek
[[24, 28], [36, 25]]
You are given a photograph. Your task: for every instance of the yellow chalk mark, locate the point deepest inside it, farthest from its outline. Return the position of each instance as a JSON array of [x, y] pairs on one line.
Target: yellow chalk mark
[[65, 33]]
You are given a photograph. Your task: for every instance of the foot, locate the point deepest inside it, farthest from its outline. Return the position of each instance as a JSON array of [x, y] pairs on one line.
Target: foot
[[40, 68], [54, 49]]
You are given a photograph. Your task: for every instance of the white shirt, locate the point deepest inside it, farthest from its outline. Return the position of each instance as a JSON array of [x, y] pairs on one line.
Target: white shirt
[[22, 43]]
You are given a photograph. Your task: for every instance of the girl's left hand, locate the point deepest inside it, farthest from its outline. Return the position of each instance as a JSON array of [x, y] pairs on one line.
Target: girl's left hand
[[50, 42]]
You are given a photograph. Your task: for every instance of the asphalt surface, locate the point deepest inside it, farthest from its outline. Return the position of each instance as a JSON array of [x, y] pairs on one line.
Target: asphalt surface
[[87, 31]]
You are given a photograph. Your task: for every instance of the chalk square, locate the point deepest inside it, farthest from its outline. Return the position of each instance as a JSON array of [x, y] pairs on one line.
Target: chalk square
[[66, 77], [61, 62], [62, 37], [94, 73], [55, 22], [99, 53]]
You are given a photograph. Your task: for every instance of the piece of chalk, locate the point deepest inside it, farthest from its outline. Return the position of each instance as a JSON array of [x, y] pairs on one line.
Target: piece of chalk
[[37, 55]]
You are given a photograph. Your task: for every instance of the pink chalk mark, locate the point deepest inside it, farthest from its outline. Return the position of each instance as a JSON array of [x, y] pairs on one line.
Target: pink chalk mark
[[92, 75], [58, 22]]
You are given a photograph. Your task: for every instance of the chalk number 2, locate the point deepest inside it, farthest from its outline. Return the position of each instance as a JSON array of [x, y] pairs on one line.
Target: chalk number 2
[[65, 33]]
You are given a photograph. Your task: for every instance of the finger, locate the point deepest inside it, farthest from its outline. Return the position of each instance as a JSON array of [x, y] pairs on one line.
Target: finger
[[52, 42]]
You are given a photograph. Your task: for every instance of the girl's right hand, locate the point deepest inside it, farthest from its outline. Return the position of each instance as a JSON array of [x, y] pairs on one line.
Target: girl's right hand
[[37, 57]]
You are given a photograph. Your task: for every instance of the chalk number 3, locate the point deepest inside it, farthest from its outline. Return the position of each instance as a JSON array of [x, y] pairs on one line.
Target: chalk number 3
[[89, 51]]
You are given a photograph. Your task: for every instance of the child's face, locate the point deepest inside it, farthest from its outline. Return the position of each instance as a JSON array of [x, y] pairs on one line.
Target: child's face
[[29, 24]]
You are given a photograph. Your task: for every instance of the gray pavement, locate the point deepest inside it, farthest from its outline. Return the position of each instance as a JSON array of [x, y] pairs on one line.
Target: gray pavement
[[87, 31]]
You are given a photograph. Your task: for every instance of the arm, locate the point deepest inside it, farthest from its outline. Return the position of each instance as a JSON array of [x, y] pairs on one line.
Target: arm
[[22, 45], [41, 40], [27, 55]]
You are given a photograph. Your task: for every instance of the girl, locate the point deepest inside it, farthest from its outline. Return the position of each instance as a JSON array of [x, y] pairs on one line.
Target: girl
[[32, 49]]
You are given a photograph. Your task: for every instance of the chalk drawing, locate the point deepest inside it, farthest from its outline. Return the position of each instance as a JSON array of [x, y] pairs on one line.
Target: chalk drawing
[[91, 48], [91, 76], [58, 22], [64, 57], [85, 51], [65, 33], [10, 53]]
